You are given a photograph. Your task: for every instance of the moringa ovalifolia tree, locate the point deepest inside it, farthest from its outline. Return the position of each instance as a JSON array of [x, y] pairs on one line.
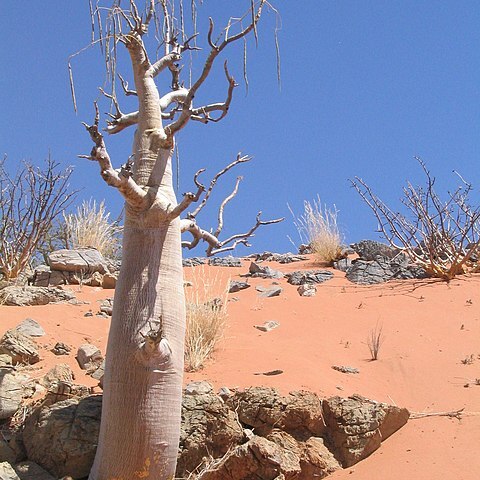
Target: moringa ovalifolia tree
[[143, 377]]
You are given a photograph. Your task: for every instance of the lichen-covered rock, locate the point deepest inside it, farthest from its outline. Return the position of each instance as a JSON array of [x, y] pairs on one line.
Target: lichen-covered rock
[[357, 426], [22, 296], [19, 347], [264, 409], [62, 438]]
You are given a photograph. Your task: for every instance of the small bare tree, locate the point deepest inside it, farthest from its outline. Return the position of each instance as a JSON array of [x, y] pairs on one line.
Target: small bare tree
[[443, 236], [141, 407], [30, 201]]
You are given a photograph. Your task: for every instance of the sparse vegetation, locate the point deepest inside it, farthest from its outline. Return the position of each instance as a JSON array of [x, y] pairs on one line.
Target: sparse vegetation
[[30, 201], [442, 236], [206, 304], [375, 340], [91, 226], [318, 228]]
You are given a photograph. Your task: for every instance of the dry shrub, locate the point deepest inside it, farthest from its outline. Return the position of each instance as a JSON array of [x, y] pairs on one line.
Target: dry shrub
[[91, 227], [374, 341], [206, 316], [318, 227]]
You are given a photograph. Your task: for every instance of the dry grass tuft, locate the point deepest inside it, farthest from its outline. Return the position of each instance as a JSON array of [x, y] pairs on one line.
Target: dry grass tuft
[[206, 317], [91, 227], [374, 341], [318, 227]]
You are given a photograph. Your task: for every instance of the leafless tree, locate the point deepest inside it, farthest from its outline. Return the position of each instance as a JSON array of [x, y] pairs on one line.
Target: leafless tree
[[143, 375], [443, 236], [30, 200]]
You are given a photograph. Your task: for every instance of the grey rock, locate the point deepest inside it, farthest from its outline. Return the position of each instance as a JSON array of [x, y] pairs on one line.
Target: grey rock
[[5, 360], [98, 373], [62, 438], [198, 388], [14, 387], [305, 249], [30, 327], [106, 306], [193, 262], [345, 369], [307, 290], [370, 250], [209, 427], [269, 292], [7, 472], [81, 260], [88, 354], [235, 286], [31, 471], [61, 372], [343, 264], [278, 257], [19, 347], [61, 348], [256, 270], [267, 326], [357, 426], [228, 261], [22, 296], [225, 393], [301, 277], [44, 277]]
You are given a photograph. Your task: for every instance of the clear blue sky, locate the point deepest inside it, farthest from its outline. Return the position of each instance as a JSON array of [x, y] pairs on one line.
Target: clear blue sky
[[366, 85]]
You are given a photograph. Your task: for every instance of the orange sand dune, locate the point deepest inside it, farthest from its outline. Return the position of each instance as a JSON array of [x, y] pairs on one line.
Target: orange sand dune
[[429, 327]]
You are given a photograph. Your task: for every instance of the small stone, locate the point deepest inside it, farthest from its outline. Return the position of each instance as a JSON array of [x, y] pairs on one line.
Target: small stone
[[307, 290], [98, 373], [89, 314], [236, 286], [5, 360], [256, 270], [88, 354], [198, 388], [270, 292], [344, 369], [61, 348], [107, 306], [267, 326], [31, 328]]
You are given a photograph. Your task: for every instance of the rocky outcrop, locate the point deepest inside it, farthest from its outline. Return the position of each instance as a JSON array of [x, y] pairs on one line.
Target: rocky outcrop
[[22, 296], [357, 426]]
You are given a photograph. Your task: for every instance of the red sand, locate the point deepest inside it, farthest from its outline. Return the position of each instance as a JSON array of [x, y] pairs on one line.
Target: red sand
[[429, 327]]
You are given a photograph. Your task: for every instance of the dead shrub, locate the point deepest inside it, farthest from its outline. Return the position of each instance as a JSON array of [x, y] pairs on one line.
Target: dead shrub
[[374, 341]]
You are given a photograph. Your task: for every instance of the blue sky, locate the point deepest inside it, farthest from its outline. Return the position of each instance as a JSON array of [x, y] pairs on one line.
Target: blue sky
[[366, 86]]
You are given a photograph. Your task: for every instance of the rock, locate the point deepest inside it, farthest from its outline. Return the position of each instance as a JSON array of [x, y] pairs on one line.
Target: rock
[[61, 372], [269, 292], [198, 388], [98, 373], [61, 348], [81, 260], [301, 277], [382, 269], [14, 387], [62, 438], [344, 369], [107, 306], [19, 347], [87, 355], [225, 393], [109, 280], [5, 360], [357, 426], [7, 472], [267, 326], [305, 249], [343, 264], [307, 290], [27, 295], [262, 408], [31, 328], [370, 250], [94, 280], [31, 471], [278, 257], [236, 286], [256, 270], [209, 428], [11, 446], [193, 262], [228, 261], [47, 278]]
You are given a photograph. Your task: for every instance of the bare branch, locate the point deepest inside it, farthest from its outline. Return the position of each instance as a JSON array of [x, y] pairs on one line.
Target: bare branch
[[126, 90], [223, 204]]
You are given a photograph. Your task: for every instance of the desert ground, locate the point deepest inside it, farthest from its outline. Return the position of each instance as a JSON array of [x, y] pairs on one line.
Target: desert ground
[[428, 362]]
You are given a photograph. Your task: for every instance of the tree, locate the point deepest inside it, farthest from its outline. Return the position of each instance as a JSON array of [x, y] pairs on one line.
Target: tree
[[143, 376]]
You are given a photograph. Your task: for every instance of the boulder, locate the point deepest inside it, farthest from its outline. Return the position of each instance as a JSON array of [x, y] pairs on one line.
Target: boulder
[[89, 355], [22, 296], [357, 426], [300, 277], [11, 446], [80, 260], [109, 280], [209, 428], [370, 250], [256, 270], [44, 277], [7, 472], [14, 387], [236, 286], [19, 347], [31, 471], [264, 408], [30, 327], [269, 292], [61, 372], [62, 438]]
